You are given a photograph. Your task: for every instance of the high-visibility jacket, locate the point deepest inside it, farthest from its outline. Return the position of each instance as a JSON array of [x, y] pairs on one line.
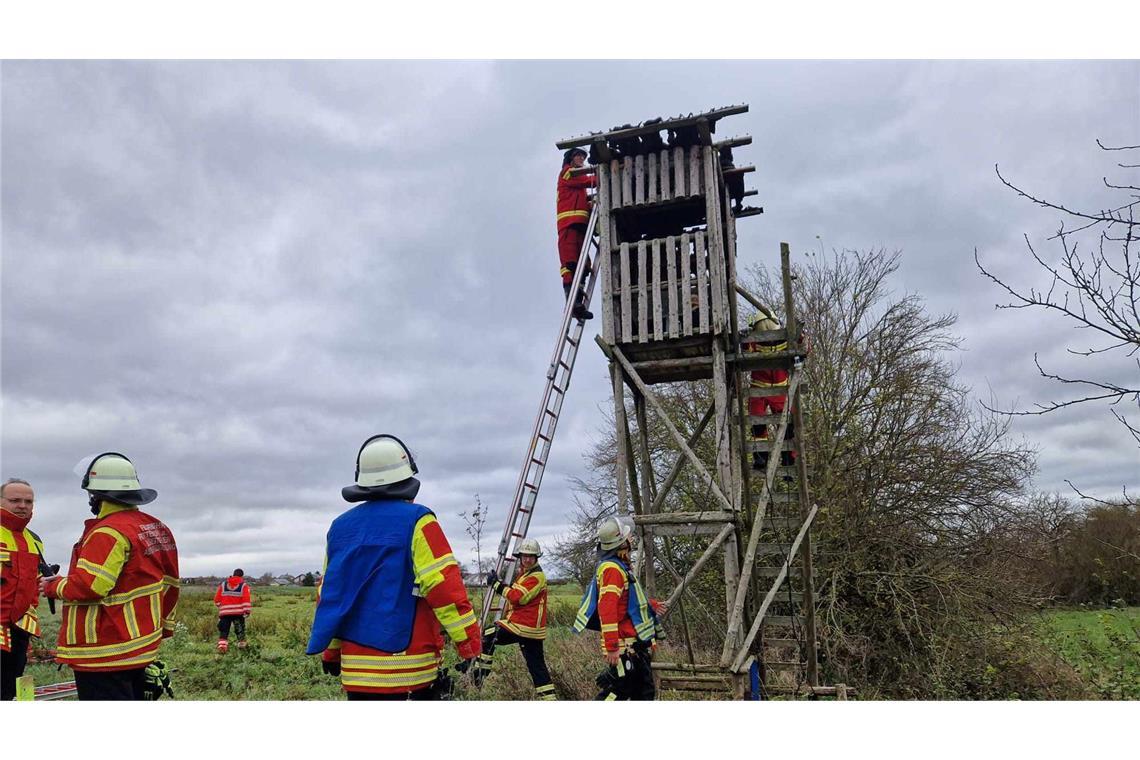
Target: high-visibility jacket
[[573, 205], [439, 601], [525, 610], [767, 378], [120, 595], [618, 604], [232, 597], [20, 551]]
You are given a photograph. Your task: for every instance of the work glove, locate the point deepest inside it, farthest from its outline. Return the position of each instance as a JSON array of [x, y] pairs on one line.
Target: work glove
[[492, 579], [330, 668]]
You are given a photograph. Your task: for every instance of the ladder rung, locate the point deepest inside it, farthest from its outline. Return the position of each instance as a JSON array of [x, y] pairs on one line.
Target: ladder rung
[[571, 341], [531, 486], [557, 389], [524, 511], [552, 414], [518, 535], [538, 461], [545, 437]]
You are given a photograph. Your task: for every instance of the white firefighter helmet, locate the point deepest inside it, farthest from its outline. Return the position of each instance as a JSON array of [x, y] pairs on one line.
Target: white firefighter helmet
[[528, 546], [383, 460], [114, 475], [612, 533], [762, 321]]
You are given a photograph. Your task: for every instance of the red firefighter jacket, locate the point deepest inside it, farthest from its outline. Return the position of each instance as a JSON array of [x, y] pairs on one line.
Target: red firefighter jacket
[[618, 629], [767, 378], [442, 602], [120, 594], [232, 597], [20, 551], [525, 613], [573, 205]]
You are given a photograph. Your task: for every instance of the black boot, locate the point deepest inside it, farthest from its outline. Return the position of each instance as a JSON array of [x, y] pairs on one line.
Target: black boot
[[580, 311]]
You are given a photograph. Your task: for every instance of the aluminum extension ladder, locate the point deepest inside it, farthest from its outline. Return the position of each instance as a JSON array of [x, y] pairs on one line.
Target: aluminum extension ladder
[[542, 434]]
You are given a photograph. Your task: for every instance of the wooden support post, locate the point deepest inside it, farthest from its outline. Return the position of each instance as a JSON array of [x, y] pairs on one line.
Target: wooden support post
[[771, 596], [604, 244], [648, 493], [808, 604], [789, 315], [620, 420], [671, 260], [615, 354]]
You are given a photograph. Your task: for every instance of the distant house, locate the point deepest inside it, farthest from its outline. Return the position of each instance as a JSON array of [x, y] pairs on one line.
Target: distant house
[[284, 580]]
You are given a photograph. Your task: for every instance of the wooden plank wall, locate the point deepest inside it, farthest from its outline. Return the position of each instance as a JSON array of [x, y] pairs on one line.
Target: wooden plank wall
[[661, 289], [654, 177]]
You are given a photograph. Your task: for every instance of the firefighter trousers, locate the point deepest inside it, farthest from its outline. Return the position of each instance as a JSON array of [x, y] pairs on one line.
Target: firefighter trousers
[[532, 653], [117, 686], [238, 623], [570, 240], [12, 663], [631, 679]]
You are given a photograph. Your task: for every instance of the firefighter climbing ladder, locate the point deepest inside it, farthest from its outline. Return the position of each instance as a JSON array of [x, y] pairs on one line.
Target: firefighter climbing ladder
[[667, 214], [545, 424]]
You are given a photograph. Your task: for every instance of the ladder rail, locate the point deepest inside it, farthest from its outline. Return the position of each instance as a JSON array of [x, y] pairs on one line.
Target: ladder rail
[[546, 422]]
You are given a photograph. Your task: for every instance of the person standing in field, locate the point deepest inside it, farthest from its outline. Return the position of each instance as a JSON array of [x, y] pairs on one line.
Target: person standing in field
[[234, 605], [120, 594], [523, 621], [616, 605], [21, 552], [390, 583], [573, 216]]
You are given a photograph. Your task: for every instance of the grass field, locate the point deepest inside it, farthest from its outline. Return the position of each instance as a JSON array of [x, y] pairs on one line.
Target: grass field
[[1102, 646]]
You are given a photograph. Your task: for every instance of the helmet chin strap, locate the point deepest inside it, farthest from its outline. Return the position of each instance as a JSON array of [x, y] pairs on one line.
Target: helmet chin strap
[[95, 502]]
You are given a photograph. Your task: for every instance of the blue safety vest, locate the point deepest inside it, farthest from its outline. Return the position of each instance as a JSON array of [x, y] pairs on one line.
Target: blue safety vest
[[638, 608], [367, 595]]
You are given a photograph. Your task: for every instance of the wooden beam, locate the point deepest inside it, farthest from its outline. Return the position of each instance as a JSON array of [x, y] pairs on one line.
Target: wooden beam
[[734, 142], [679, 518], [615, 353], [725, 532], [770, 597], [691, 120]]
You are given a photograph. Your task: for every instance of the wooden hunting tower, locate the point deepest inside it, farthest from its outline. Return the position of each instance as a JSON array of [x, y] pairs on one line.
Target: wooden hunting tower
[[667, 201]]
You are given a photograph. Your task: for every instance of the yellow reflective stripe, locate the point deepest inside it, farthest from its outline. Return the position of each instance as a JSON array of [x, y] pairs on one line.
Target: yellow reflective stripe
[[132, 621], [388, 662], [69, 614], [100, 573], [566, 174], [155, 611], [90, 619], [610, 697], [130, 596], [455, 623], [388, 680], [5, 556], [575, 213], [609, 627], [110, 649], [523, 630], [145, 658], [437, 566], [610, 590], [423, 559], [528, 595], [758, 348], [59, 588]]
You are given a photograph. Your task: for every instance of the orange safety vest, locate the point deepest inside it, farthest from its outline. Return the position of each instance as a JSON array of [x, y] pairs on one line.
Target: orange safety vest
[[120, 594], [525, 612]]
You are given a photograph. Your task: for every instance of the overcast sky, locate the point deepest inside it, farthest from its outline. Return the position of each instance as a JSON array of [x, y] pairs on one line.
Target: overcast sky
[[235, 272]]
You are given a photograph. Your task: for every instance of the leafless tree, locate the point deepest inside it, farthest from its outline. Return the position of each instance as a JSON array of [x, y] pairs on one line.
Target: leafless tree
[[1095, 288], [475, 520]]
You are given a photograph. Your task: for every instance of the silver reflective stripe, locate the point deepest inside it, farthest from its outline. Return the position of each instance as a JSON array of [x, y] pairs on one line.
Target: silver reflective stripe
[[384, 468]]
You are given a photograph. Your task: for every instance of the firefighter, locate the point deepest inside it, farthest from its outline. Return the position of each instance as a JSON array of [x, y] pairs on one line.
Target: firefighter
[[21, 551], [234, 605], [767, 378], [120, 594], [616, 605], [523, 621], [390, 583], [573, 216]]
